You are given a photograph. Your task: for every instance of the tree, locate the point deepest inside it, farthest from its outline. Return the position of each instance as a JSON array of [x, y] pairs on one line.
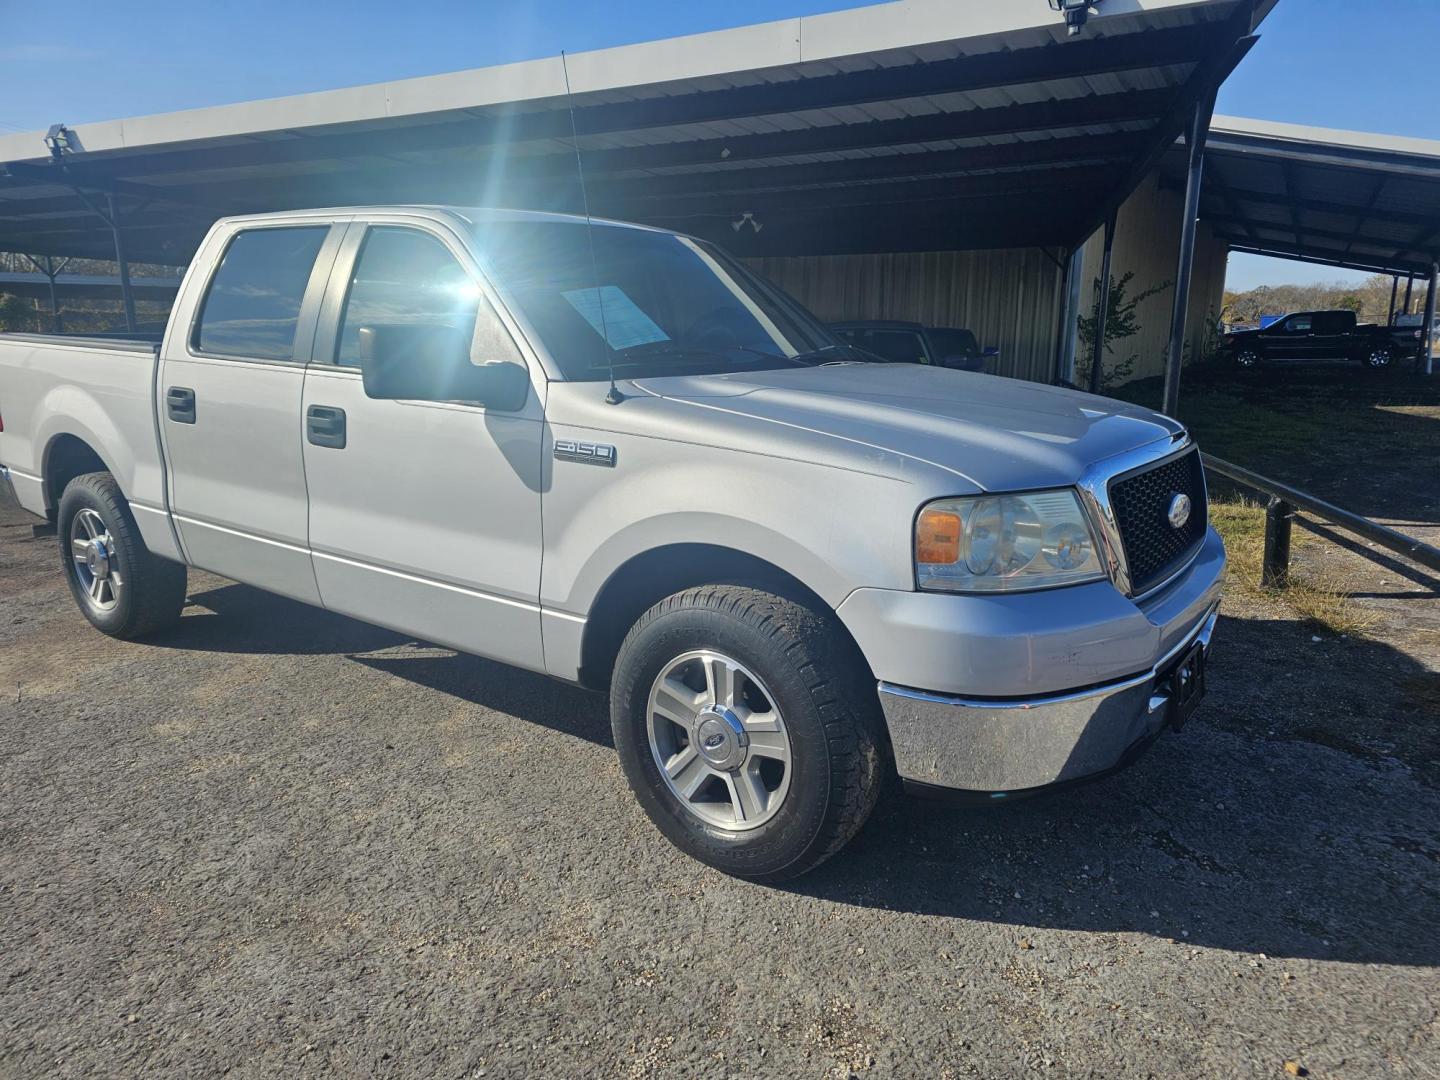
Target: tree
[[15, 314], [1370, 300], [1120, 323]]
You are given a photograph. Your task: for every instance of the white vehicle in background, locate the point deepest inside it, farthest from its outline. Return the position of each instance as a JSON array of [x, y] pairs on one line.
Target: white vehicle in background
[[792, 570]]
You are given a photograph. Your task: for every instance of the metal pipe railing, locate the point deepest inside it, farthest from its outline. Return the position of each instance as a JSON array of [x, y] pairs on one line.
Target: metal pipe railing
[[1280, 512]]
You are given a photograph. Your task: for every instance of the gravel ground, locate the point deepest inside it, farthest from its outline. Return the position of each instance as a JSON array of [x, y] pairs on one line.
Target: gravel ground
[[279, 841]]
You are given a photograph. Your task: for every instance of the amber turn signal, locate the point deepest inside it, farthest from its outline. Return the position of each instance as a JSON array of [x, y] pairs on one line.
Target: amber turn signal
[[937, 537]]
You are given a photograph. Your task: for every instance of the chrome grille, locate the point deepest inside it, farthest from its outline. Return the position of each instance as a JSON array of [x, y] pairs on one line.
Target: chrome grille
[[1154, 549]]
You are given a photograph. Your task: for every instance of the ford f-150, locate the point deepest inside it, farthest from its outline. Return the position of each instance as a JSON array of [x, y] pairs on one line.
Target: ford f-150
[[613, 454]]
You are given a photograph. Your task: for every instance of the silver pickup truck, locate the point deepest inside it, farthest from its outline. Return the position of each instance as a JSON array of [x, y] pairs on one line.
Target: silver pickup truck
[[614, 455]]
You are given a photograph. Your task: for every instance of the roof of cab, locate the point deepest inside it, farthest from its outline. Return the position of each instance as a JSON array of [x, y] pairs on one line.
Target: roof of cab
[[470, 215]]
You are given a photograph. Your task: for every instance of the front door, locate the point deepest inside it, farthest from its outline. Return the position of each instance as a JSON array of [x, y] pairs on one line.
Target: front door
[[1290, 338], [424, 516], [229, 404]]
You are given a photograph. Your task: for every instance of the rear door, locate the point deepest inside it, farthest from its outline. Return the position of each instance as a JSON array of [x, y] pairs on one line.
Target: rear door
[[1332, 334], [230, 388], [424, 516]]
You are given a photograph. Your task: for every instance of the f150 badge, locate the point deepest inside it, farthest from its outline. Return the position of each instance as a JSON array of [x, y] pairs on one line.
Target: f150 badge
[[584, 452]]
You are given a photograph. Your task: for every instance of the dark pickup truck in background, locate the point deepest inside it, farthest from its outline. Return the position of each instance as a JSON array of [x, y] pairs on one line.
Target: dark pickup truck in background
[[1321, 335], [900, 342]]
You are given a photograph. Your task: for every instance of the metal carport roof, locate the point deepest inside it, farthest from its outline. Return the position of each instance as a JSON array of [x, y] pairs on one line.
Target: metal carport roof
[[917, 125], [1346, 198]]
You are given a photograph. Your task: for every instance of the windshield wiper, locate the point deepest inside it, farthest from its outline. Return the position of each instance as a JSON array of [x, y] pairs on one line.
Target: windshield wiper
[[657, 353], [814, 355], [810, 357], [647, 353]]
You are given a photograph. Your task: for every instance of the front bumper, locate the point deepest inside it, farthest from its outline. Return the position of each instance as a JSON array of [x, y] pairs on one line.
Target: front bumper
[[1014, 745], [1004, 694]]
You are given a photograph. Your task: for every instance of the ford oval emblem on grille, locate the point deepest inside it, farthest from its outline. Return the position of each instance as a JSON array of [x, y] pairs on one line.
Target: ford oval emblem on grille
[[1179, 511]]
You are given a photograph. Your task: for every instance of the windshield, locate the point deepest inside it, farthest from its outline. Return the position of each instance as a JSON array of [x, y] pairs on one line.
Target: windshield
[[664, 304]]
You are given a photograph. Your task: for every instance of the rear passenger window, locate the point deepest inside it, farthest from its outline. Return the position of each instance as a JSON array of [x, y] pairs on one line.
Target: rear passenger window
[[253, 305]]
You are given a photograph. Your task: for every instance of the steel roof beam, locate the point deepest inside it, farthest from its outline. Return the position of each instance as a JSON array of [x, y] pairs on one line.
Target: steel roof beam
[[82, 179], [1285, 251], [956, 190], [458, 185], [1265, 198], [1202, 83], [1142, 106], [523, 122], [890, 228]]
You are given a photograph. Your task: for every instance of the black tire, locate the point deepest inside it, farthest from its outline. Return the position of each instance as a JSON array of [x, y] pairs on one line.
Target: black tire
[[1375, 358], [153, 589], [817, 679]]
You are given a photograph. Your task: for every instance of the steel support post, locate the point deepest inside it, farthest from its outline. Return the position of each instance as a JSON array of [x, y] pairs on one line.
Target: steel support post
[[1409, 286], [50, 274], [1427, 328], [127, 298], [1275, 569], [1102, 311], [1195, 144], [1072, 320], [1394, 291], [1065, 332]]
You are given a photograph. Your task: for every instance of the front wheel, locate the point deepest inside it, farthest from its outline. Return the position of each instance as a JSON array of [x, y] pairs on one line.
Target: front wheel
[[1248, 359], [747, 730], [122, 588]]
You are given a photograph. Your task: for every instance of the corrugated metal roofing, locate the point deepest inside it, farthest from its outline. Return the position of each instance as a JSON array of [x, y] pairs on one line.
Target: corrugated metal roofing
[[1343, 197], [917, 125]]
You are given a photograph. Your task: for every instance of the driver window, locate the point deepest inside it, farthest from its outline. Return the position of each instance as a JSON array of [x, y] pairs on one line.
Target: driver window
[[404, 276]]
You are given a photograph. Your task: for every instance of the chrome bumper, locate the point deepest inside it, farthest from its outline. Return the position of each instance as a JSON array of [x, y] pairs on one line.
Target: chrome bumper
[[1007, 745]]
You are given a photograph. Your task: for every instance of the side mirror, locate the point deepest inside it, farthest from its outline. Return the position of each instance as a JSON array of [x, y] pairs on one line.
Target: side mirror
[[431, 362]]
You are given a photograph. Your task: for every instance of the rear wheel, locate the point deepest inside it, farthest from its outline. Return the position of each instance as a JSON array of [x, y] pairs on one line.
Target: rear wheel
[[1375, 357], [122, 588], [746, 730]]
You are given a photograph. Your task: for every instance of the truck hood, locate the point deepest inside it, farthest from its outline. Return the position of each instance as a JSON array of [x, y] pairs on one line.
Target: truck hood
[[998, 433]]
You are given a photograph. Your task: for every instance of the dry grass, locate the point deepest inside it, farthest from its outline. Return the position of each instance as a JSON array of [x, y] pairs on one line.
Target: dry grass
[[1315, 596]]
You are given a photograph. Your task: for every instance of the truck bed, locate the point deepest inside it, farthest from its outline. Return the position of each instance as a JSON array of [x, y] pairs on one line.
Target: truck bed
[[58, 392], [139, 343]]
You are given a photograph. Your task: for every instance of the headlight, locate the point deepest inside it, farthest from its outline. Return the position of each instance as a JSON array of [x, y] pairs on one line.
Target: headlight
[[1003, 543]]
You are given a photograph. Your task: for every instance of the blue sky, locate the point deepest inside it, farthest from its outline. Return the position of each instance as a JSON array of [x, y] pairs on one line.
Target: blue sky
[[1334, 63]]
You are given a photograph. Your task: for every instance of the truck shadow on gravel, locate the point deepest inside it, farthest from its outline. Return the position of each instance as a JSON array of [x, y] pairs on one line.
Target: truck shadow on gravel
[[1295, 816], [238, 619]]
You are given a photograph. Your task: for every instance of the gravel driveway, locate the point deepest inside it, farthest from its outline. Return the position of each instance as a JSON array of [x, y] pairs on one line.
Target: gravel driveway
[[280, 841]]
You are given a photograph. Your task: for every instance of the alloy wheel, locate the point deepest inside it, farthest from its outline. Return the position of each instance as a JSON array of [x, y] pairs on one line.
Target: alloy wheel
[[719, 740], [96, 562]]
